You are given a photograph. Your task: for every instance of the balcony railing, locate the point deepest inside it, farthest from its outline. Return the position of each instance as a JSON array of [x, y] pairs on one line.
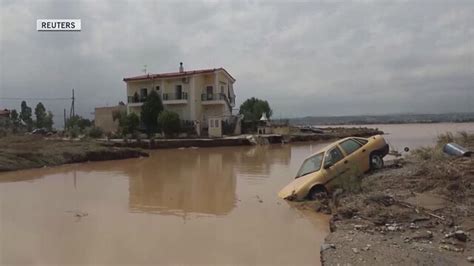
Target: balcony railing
[[134, 99], [212, 96], [175, 96]]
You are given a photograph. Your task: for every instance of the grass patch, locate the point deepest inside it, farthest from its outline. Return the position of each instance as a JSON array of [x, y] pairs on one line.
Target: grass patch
[[435, 153]]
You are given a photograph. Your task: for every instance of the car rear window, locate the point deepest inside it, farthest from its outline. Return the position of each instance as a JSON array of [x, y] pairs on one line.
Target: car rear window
[[350, 146], [310, 165], [361, 141]]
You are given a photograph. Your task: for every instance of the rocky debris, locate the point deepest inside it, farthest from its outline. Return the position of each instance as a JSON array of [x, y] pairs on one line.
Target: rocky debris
[[458, 234], [470, 259], [327, 246], [381, 198], [360, 226], [428, 235], [406, 216], [322, 206], [393, 227], [451, 248]]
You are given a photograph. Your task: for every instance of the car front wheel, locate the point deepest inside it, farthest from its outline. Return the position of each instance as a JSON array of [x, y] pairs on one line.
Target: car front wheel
[[376, 161], [317, 193]]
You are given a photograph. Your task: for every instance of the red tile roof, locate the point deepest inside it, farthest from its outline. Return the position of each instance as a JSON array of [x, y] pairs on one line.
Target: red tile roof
[[5, 113], [176, 74]]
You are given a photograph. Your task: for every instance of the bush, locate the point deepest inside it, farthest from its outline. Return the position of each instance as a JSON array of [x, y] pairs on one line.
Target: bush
[[169, 123], [74, 132], [78, 121], [127, 124], [187, 127], [95, 132]]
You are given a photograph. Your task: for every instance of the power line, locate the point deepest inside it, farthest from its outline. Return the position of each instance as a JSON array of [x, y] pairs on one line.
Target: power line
[[34, 99]]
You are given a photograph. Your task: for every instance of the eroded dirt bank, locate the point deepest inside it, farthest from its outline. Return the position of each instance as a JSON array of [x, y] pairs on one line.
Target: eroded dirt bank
[[24, 152], [416, 212]]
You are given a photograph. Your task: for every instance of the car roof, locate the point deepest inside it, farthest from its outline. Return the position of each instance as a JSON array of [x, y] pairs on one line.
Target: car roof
[[329, 146]]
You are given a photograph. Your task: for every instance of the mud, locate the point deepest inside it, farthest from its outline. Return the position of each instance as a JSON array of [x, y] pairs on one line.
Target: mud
[[420, 213], [24, 152]]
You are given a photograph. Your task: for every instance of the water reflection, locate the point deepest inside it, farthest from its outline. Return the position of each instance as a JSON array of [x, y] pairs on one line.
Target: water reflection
[[258, 160], [183, 181], [176, 181]]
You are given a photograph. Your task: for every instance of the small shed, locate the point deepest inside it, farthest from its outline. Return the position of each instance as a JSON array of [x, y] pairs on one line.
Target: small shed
[[215, 127]]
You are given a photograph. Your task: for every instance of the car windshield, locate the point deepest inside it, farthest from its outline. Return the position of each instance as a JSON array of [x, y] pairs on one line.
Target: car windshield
[[311, 165]]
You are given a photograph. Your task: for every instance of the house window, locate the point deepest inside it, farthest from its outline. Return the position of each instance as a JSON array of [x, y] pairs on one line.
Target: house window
[[158, 88], [143, 93], [217, 123], [212, 123]]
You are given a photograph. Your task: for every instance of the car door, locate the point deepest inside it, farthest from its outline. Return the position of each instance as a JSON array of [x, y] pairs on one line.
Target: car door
[[356, 155], [337, 169]]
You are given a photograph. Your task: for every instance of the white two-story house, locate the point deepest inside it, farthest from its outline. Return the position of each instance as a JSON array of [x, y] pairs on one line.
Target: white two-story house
[[196, 95]]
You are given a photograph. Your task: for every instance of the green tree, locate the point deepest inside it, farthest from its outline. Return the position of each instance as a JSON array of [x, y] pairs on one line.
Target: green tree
[[169, 122], [95, 132], [78, 121], [14, 118], [151, 108], [40, 113], [127, 124], [48, 121], [133, 121], [25, 115], [253, 108]]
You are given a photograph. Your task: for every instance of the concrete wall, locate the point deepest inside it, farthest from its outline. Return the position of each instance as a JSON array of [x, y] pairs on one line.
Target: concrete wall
[[104, 117]]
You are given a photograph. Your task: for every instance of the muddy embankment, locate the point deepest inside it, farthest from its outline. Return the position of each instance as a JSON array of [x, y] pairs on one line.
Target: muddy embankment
[[418, 211], [333, 133], [24, 152], [327, 134]]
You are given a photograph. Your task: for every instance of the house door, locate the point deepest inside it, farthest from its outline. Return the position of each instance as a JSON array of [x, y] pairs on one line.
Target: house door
[[179, 92], [209, 92]]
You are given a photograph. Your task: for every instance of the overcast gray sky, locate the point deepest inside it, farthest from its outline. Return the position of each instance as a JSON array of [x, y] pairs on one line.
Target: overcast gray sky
[[305, 58]]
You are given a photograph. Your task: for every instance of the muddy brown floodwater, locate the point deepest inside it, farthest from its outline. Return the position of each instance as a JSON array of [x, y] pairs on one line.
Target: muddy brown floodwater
[[189, 206], [180, 206]]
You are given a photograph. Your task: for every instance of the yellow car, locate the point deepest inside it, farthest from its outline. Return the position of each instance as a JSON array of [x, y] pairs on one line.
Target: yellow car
[[327, 168]]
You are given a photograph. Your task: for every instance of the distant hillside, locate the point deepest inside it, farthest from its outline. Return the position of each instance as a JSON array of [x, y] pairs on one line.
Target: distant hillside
[[383, 119]]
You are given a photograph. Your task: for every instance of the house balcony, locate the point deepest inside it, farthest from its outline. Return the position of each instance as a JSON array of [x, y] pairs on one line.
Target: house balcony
[[217, 98], [213, 98], [175, 98], [135, 101]]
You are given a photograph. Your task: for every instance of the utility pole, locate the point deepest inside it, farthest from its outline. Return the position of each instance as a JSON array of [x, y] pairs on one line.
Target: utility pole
[[65, 118], [72, 111]]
